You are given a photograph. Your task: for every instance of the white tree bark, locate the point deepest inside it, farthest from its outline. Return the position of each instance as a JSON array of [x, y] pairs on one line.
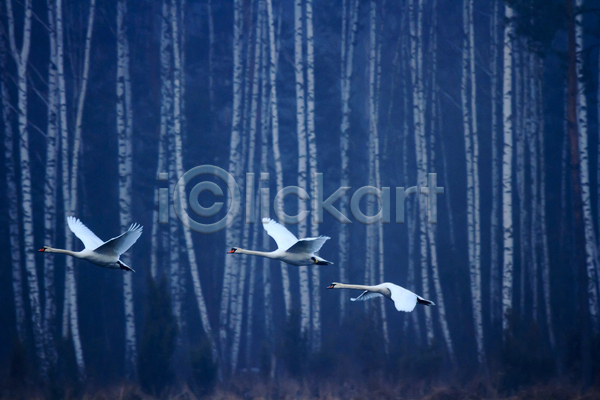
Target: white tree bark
[[168, 121], [543, 228], [431, 230], [165, 111], [276, 152], [591, 251], [312, 151], [73, 313], [251, 128], [470, 130], [507, 225], [235, 161], [302, 159], [495, 223], [349, 29], [532, 132], [124, 133], [21, 58], [211, 56], [412, 229], [189, 244], [418, 104], [50, 194], [12, 196], [519, 85], [264, 154]]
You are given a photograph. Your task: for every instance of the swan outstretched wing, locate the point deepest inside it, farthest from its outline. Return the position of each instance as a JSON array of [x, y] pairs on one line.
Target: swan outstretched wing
[[284, 238], [366, 295], [308, 245], [120, 244], [89, 238], [404, 299]]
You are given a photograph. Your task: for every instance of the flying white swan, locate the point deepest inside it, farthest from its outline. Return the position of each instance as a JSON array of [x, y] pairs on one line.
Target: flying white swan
[[104, 254], [403, 299], [289, 248]]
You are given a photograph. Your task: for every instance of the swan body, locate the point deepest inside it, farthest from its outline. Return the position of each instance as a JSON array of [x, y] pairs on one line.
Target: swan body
[[289, 248], [403, 299], [104, 254]]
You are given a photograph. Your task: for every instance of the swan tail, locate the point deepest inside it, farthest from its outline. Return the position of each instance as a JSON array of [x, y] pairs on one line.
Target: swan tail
[[421, 300], [125, 266]]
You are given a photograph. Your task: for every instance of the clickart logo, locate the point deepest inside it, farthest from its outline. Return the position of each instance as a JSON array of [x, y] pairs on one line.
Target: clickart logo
[[196, 216]]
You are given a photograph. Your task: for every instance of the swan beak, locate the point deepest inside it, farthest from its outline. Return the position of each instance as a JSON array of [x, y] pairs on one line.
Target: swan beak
[[231, 251], [330, 287], [42, 249]]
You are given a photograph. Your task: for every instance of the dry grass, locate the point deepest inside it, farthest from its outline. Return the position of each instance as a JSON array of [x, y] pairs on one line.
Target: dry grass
[[253, 388]]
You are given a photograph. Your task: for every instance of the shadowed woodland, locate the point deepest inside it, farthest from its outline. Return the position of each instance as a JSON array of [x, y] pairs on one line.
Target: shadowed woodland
[[106, 104]]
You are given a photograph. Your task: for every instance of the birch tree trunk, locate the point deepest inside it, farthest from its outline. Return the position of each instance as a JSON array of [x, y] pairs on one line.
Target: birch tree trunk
[[12, 196], [124, 122], [348, 42], [256, 88], [580, 243], [189, 244], [371, 229], [165, 113], [252, 81], [410, 204], [65, 175], [542, 224], [232, 231], [264, 153], [591, 250], [534, 232], [168, 121], [432, 228], [312, 151], [470, 130], [72, 292], [418, 104], [495, 223], [21, 58], [211, 57], [519, 57], [507, 226], [276, 152], [302, 160], [50, 194]]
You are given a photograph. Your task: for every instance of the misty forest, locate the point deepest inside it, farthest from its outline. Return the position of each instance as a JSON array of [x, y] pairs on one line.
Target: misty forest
[[451, 148]]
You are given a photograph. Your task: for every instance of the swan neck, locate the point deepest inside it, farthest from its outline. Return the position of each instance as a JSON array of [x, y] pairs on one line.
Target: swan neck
[[346, 286], [62, 251], [254, 253]]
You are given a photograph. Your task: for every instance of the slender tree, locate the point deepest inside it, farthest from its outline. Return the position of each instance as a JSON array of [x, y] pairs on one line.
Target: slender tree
[[299, 67], [468, 101], [312, 161], [349, 28], [276, 151], [189, 244], [507, 267], [11, 194], [418, 105], [580, 242], [165, 113], [542, 205], [124, 133], [495, 220], [591, 251], [235, 155], [21, 58], [50, 193], [432, 228]]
